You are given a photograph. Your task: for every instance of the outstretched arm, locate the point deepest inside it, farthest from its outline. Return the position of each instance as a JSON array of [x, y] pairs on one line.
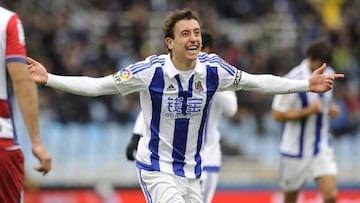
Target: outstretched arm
[[27, 98], [265, 83], [80, 85], [271, 84]]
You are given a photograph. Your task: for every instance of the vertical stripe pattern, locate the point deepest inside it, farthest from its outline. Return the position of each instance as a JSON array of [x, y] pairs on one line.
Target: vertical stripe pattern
[[175, 111], [304, 103], [144, 188], [318, 126], [181, 129], [212, 82], [156, 93]]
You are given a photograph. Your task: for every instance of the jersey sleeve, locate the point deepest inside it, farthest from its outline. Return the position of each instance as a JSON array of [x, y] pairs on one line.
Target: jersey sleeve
[[227, 73], [267, 83], [83, 85], [231, 78], [286, 102], [135, 77], [15, 41]]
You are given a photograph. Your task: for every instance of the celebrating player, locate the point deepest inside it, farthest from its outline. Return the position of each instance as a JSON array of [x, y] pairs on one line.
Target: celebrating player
[[176, 90], [224, 103]]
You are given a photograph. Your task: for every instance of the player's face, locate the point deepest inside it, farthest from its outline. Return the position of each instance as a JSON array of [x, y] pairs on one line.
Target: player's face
[[315, 64], [186, 44]]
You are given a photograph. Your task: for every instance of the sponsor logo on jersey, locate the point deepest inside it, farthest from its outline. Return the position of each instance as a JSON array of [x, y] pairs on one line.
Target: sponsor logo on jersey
[[122, 75], [170, 88], [180, 107], [237, 77]]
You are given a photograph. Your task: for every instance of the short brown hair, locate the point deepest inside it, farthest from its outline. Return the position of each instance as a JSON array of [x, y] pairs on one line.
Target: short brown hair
[[176, 16], [319, 50]]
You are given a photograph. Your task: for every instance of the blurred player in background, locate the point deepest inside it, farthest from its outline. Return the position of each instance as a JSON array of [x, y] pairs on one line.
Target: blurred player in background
[[14, 73], [224, 103], [306, 141], [137, 132], [176, 90]]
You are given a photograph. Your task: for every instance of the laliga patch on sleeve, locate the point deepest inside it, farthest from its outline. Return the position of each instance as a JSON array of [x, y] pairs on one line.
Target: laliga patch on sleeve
[[283, 100], [122, 75], [237, 77], [20, 32]]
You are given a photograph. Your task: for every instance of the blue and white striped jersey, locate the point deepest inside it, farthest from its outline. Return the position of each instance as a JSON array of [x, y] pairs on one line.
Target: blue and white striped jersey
[[307, 136], [175, 106], [223, 104]]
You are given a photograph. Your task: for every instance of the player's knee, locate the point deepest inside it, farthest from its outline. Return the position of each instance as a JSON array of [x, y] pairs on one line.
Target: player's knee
[[290, 196], [330, 196], [330, 200]]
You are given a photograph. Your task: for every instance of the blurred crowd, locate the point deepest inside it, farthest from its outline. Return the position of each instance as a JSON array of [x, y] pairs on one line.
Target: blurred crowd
[[98, 37]]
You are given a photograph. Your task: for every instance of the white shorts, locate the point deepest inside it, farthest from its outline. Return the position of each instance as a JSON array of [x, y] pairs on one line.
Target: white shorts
[[159, 187], [294, 172], [208, 183]]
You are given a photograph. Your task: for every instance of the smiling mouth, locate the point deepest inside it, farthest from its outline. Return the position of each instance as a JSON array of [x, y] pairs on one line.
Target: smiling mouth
[[192, 48]]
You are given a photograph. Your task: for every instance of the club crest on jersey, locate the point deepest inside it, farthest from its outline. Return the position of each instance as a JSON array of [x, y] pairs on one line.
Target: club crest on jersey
[[283, 101], [199, 86], [122, 75], [237, 77]]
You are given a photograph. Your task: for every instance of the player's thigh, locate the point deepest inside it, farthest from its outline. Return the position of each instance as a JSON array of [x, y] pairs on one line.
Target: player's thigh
[[160, 187], [194, 193], [324, 164], [293, 173], [324, 171]]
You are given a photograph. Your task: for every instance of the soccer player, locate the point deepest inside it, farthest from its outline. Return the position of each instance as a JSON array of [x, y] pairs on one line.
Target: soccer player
[[14, 73], [306, 142], [223, 104], [207, 44], [176, 90]]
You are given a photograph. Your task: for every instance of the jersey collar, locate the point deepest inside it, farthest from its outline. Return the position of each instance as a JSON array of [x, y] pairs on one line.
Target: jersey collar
[[171, 71]]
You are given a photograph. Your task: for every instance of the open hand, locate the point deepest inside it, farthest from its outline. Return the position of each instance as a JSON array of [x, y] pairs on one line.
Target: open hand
[[37, 71]]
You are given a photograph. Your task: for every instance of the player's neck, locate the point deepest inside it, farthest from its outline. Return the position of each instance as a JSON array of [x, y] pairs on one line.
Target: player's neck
[[183, 64]]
